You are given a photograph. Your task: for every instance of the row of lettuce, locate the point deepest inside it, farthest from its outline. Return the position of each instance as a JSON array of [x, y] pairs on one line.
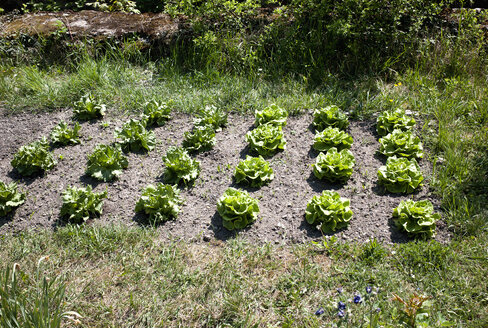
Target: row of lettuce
[[238, 209]]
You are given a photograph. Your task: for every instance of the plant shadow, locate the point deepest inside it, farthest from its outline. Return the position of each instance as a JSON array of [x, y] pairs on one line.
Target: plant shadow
[[89, 180], [220, 232], [320, 185], [27, 180]]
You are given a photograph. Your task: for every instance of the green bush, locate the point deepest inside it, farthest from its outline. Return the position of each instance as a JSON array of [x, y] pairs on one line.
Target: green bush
[[253, 171], [332, 137], [135, 137], [106, 162], [160, 202], [330, 116], [237, 209], [328, 210], [266, 139], [211, 116], [334, 166], [156, 113], [33, 158], [63, 135], [400, 175], [81, 204], [416, 218], [10, 198], [180, 167], [273, 114], [401, 143], [201, 138], [88, 108], [391, 120]]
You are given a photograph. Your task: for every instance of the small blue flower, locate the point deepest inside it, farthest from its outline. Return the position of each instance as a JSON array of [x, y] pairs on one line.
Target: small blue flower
[[320, 311], [369, 289], [341, 305], [357, 299], [378, 310], [339, 290], [340, 314]]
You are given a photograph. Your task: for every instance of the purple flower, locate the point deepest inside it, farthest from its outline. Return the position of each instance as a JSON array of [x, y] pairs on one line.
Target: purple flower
[[369, 289], [341, 306], [378, 310], [319, 311], [340, 314], [357, 299], [339, 290]]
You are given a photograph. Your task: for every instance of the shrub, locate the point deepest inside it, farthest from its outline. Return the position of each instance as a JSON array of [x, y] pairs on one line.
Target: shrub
[[266, 139], [160, 202], [273, 114], [62, 135], [211, 116], [416, 218], [332, 137], [334, 166], [329, 116], [10, 198], [156, 113], [400, 175], [401, 143], [201, 138], [34, 158], [134, 136], [106, 162], [88, 108], [254, 171], [81, 204], [393, 120], [329, 210], [180, 166], [237, 209]]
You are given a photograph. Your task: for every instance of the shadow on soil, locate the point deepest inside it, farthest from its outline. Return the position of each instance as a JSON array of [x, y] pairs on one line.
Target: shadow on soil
[[15, 175], [319, 185], [220, 232], [88, 180]]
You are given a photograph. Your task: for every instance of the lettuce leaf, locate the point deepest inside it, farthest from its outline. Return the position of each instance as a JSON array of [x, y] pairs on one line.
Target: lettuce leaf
[[416, 218], [273, 114], [237, 209], [266, 139], [106, 162], [134, 136], [179, 166], [10, 197], [332, 137], [393, 119], [400, 175], [329, 116], [328, 210], [253, 171], [334, 166], [156, 113], [160, 202], [88, 108], [201, 138], [62, 135], [401, 143], [81, 204], [211, 116], [33, 158]]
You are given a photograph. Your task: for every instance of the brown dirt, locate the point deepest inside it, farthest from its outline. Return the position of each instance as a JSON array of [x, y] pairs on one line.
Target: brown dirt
[[282, 202]]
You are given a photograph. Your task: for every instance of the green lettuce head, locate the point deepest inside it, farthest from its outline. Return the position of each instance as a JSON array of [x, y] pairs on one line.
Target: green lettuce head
[[400, 175], [416, 218], [237, 209], [328, 210]]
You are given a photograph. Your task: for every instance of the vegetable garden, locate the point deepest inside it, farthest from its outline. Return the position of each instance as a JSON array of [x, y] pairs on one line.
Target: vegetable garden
[[271, 178]]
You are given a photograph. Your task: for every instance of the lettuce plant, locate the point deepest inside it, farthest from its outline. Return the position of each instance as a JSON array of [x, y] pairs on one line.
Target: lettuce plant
[[400, 175], [329, 116], [106, 162], [401, 143], [329, 210], [332, 137], [416, 218], [237, 209], [201, 138], [393, 119], [179, 166], [63, 135], [253, 171], [211, 116], [134, 136], [161, 202], [156, 113], [273, 114], [33, 158], [81, 204], [88, 108], [10, 197], [266, 139], [334, 166]]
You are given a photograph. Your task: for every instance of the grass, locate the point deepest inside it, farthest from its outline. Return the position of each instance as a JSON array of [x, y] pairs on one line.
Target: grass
[[120, 276]]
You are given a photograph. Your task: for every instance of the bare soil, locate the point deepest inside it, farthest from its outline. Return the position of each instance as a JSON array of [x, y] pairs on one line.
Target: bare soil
[[282, 202]]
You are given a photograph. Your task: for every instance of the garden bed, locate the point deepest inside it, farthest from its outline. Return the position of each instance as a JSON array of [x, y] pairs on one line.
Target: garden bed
[[282, 202]]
